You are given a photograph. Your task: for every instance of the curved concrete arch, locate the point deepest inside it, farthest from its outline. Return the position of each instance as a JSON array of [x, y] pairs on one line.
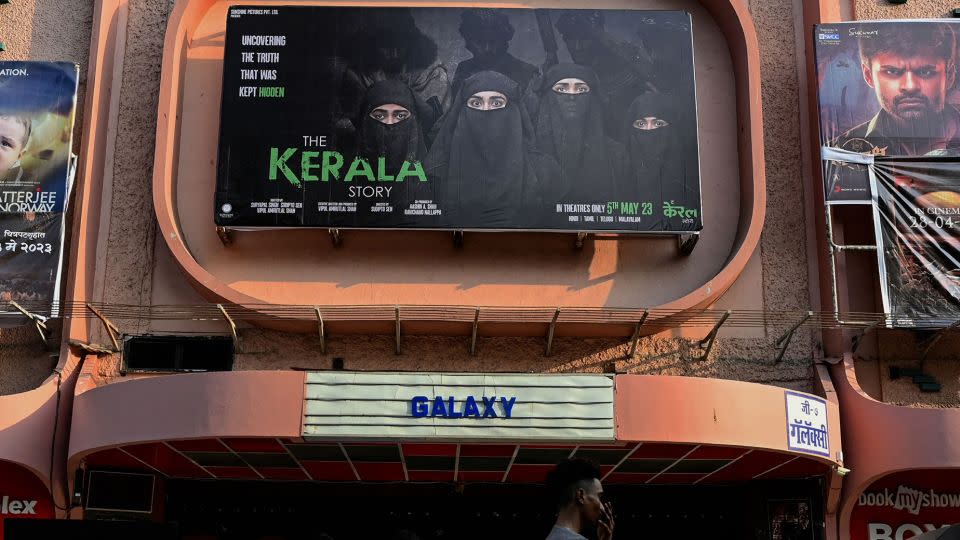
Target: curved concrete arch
[[881, 439], [187, 406], [735, 24], [715, 411], [26, 428]]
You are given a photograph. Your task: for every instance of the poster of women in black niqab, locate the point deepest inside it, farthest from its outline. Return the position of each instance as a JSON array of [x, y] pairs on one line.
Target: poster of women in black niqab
[[459, 119]]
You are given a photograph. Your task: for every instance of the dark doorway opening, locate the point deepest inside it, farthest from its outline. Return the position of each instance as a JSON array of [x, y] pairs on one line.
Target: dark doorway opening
[[245, 510]]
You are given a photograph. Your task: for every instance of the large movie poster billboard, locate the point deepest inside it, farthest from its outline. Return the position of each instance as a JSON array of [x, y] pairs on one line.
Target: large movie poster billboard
[[917, 221], [37, 102], [454, 118], [885, 89]]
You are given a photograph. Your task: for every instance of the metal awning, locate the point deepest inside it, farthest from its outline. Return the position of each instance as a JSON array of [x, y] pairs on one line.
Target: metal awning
[[292, 459]]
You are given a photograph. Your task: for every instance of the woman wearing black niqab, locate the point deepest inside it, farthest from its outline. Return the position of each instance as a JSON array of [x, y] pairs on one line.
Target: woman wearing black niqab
[[569, 127], [483, 161], [662, 158], [390, 129], [390, 126]]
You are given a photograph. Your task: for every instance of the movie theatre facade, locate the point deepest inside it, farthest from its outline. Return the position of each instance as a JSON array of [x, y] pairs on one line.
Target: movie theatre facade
[[335, 270]]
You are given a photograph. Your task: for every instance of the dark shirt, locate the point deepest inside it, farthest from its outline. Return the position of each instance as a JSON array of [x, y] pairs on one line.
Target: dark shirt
[[563, 533]]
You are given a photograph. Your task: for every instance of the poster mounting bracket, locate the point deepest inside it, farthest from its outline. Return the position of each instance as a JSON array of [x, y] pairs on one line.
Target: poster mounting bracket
[[635, 338], [233, 327], [473, 337], [578, 243], [858, 339], [706, 344], [335, 239], [550, 331], [397, 327], [458, 239], [225, 235], [784, 340], [320, 330], [686, 243], [38, 321], [112, 329], [929, 343]]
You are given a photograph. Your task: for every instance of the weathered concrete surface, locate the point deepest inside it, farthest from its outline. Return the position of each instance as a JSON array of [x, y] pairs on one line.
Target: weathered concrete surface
[[24, 361], [129, 262], [131, 270], [265, 350]]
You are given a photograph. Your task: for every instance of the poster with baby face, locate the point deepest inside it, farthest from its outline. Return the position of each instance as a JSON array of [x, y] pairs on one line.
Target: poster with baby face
[[458, 118], [37, 104]]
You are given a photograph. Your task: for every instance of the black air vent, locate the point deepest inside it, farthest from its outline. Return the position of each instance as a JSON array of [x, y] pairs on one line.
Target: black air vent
[[178, 353]]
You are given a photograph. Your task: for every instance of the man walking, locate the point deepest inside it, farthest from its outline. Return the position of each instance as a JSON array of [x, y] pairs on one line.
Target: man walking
[[575, 484]]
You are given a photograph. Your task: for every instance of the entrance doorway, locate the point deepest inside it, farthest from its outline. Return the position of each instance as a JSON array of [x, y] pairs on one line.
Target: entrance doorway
[[245, 510]]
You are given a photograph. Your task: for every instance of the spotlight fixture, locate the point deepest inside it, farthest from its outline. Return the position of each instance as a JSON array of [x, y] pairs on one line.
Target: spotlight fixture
[[897, 1], [955, 12], [337, 363]]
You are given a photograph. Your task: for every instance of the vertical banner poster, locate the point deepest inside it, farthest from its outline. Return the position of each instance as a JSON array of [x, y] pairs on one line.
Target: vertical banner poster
[[37, 104], [458, 118], [885, 89], [917, 223]]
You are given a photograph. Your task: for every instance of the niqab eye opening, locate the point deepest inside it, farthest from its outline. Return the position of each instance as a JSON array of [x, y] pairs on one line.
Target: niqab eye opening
[[390, 113], [648, 123], [571, 86], [487, 101]]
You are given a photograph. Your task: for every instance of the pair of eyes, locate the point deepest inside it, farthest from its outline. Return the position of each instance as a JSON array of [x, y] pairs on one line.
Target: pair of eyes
[[487, 101], [390, 114], [925, 72], [571, 86], [571, 89], [649, 122]]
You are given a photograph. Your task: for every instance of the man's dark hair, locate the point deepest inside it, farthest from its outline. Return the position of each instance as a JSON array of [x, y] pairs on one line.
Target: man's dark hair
[[908, 39], [568, 476], [485, 23]]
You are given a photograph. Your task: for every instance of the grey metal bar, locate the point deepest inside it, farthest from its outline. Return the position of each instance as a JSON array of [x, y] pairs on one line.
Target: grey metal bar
[[473, 337], [635, 338], [323, 338], [784, 341], [553, 326], [397, 314], [233, 327], [711, 338]]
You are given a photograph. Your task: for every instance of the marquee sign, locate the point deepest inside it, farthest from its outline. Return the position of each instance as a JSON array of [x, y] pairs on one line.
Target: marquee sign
[[459, 406]]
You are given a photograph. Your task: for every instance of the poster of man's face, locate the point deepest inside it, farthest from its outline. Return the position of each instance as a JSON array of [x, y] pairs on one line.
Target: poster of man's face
[[37, 101], [885, 89], [459, 118]]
